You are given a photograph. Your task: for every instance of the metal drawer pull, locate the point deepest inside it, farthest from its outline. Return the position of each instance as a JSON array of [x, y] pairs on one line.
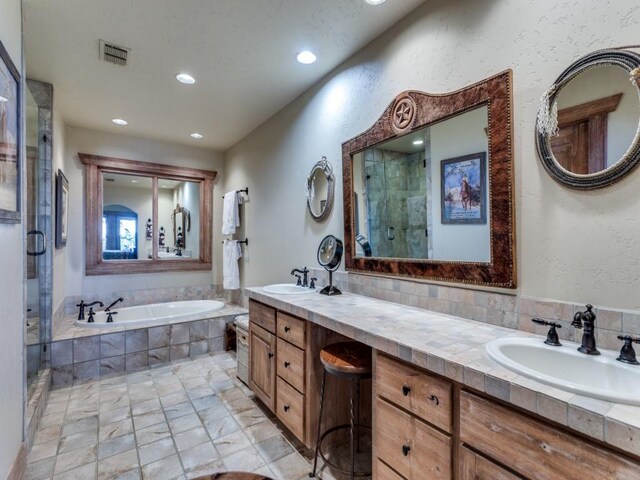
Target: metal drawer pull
[[270, 355], [286, 364], [405, 450], [405, 390], [434, 399], [286, 329], [286, 408]]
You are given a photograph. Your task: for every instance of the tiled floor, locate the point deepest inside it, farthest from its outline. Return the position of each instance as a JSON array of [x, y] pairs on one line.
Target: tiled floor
[[180, 420]]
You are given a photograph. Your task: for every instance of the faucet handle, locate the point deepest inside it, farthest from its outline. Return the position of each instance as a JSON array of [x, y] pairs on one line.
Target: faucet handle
[[627, 353], [313, 282], [110, 317], [552, 335], [299, 282], [91, 314]]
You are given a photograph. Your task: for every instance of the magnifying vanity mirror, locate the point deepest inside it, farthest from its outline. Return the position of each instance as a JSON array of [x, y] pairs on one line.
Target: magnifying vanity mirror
[[428, 189], [588, 125], [319, 189], [329, 257]]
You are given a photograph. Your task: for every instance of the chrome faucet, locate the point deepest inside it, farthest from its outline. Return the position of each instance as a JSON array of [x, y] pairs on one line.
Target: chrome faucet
[[305, 273], [81, 305], [587, 319], [108, 309]]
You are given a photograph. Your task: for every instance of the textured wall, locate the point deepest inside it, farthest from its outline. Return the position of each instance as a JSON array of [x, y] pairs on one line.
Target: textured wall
[[132, 148], [12, 260], [572, 246]]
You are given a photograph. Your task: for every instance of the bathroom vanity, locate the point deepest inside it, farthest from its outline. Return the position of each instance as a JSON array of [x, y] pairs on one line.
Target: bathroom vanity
[[441, 408]]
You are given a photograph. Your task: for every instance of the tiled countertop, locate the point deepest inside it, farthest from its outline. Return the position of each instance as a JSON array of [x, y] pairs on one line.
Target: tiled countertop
[[455, 348], [69, 330]]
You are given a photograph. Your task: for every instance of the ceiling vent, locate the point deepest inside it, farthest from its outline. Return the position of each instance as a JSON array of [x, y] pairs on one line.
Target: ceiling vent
[[114, 53]]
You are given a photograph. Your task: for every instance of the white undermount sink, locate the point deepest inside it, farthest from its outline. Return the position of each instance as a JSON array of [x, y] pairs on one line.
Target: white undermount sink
[[287, 289], [600, 376]]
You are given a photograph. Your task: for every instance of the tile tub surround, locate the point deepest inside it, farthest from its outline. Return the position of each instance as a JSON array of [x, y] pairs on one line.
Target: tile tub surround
[[180, 420], [36, 404], [81, 353], [455, 348]]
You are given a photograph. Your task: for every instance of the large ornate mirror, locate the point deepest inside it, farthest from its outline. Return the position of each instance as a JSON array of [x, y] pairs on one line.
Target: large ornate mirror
[[146, 217], [428, 189], [588, 125]]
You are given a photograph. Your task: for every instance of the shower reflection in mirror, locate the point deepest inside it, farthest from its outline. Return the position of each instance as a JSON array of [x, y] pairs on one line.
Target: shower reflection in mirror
[[399, 198]]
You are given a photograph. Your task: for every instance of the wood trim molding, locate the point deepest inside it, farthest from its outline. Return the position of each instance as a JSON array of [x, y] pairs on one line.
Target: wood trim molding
[[19, 466], [412, 110], [582, 112], [94, 264]]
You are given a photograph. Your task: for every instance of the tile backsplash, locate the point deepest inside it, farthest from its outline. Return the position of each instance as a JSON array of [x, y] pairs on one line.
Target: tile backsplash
[[506, 310]]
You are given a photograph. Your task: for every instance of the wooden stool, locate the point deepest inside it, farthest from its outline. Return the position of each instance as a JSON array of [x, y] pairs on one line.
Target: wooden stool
[[234, 476], [350, 360]]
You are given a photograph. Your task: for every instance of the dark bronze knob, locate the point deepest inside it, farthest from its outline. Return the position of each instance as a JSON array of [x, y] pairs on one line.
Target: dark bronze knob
[[434, 399], [286, 408], [405, 390], [405, 450], [286, 364], [286, 329], [270, 355]]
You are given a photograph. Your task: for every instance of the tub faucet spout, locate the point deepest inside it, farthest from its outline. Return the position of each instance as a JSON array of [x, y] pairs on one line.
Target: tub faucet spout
[[587, 320], [108, 309], [81, 306]]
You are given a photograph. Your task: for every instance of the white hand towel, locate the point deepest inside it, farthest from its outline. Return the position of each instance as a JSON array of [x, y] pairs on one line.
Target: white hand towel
[[231, 252], [230, 213]]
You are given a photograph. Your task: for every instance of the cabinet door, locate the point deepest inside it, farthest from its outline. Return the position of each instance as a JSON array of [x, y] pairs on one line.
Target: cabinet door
[[263, 362], [475, 467]]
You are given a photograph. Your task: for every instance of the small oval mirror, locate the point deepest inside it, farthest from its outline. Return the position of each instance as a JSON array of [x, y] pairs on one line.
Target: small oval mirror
[[320, 189], [588, 123]]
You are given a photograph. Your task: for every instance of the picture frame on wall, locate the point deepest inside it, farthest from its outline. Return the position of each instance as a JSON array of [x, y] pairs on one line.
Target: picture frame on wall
[[10, 158], [463, 189], [62, 209]]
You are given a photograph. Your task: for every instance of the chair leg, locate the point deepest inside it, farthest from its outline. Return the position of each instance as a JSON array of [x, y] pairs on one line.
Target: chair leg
[[354, 389], [315, 458]]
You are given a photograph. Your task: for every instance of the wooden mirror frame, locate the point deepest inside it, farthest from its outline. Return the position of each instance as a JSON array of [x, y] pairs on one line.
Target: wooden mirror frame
[[630, 62], [95, 165], [412, 110]]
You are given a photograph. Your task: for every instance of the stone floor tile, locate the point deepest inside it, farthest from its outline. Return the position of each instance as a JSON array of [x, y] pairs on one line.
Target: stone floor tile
[[115, 429], [211, 468], [117, 465], [245, 460], [116, 445], [41, 469], [165, 469], [148, 419], [75, 458], [261, 431], [85, 472], [231, 443], [114, 415], [195, 457], [152, 452], [221, 427], [179, 410], [291, 466], [41, 451], [146, 407], [191, 438], [47, 434], [274, 448], [153, 433], [78, 440], [182, 424], [89, 423], [249, 417]]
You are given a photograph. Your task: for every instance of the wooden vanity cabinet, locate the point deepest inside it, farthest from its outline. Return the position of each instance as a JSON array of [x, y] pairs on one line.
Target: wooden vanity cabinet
[[476, 467], [412, 422], [262, 353]]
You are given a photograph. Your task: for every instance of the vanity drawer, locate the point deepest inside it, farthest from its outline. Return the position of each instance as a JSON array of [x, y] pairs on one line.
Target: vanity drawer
[[262, 315], [242, 337], [533, 449], [476, 467], [428, 397], [292, 329], [290, 407], [291, 364], [383, 472], [410, 446]]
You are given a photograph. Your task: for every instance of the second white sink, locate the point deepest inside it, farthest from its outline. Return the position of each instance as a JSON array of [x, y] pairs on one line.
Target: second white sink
[[564, 367], [287, 289]]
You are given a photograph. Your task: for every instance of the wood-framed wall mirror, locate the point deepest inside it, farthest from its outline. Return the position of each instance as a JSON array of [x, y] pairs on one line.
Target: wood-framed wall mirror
[[588, 124], [428, 189], [146, 217]]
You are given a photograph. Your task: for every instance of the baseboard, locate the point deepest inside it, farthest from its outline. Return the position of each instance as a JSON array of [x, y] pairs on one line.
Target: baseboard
[[19, 467]]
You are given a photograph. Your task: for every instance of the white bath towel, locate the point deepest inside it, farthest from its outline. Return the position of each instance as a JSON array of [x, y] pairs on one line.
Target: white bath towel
[[231, 252], [230, 213]]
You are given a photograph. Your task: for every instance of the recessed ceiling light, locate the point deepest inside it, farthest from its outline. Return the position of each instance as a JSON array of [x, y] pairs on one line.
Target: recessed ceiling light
[[375, 2], [3, 99], [306, 57], [418, 142], [119, 121], [185, 78], [197, 135]]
